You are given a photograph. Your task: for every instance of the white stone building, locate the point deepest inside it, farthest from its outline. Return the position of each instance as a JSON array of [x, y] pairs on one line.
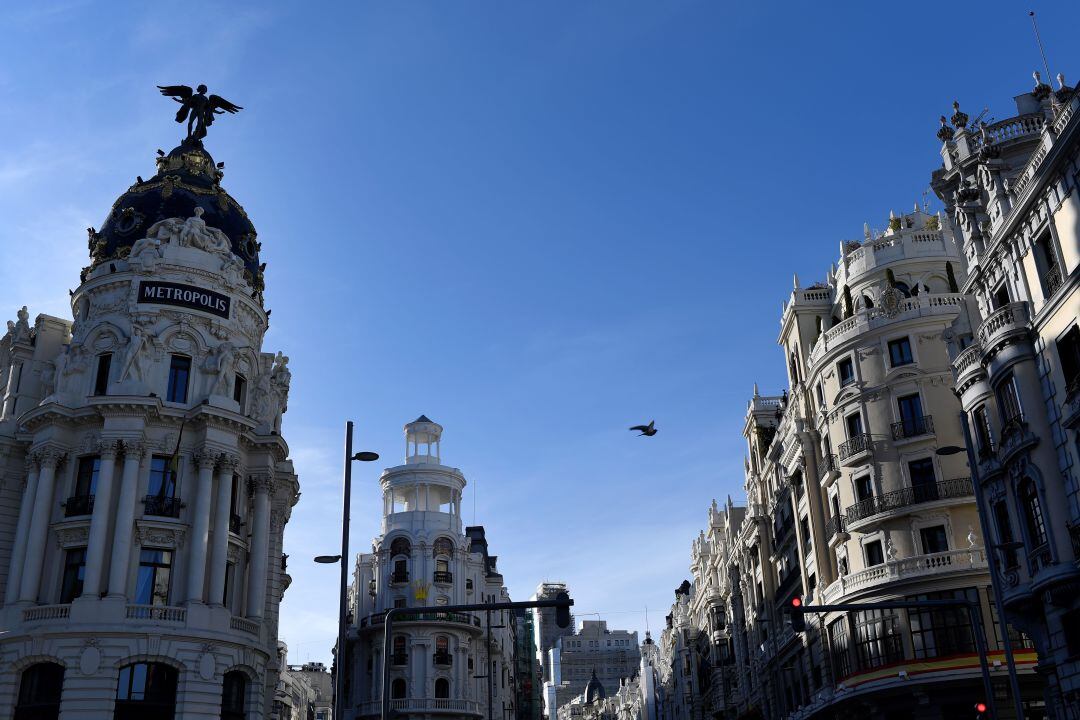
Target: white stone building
[[441, 664], [146, 483]]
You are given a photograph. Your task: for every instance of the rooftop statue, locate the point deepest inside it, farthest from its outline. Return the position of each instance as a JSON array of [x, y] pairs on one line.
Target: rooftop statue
[[197, 108]]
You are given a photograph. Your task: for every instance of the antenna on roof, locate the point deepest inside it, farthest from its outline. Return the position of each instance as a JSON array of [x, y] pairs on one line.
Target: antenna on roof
[[1038, 40], [646, 618]]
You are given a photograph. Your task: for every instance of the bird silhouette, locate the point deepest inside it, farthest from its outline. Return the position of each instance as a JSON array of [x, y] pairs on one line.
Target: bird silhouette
[[646, 430]]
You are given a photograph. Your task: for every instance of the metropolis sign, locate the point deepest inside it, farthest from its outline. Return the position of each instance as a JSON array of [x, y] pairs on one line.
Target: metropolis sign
[[189, 296]]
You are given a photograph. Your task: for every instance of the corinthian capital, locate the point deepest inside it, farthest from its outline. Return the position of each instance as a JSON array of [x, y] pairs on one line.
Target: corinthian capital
[[261, 481], [108, 448], [49, 456], [135, 448], [228, 462], [205, 458]]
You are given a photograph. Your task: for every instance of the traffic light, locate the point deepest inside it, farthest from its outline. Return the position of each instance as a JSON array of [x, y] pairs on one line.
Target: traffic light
[[980, 708], [562, 612], [795, 610]]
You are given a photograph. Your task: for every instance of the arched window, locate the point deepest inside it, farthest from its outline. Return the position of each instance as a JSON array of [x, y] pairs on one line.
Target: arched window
[[39, 692], [442, 689], [233, 693], [442, 650], [1033, 514], [146, 691], [400, 546], [397, 689], [443, 546]]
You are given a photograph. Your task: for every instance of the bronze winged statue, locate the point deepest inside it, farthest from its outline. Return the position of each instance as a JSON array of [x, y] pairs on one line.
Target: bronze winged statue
[[197, 108]]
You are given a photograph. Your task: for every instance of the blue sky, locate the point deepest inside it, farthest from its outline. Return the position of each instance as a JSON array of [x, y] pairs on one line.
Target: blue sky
[[537, 223]]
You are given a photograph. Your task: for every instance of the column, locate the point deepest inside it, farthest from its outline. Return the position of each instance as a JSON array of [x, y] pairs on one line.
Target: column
[[200, 526], [125, 518], [99, 520], [50, 458], [219, 555], [26, 511], [262, 485]]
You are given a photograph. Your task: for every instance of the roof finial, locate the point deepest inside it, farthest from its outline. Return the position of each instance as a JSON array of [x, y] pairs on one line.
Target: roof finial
[[796, 281], [1061, 81]]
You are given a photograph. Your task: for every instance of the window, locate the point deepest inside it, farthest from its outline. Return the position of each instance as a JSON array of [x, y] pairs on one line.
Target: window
[[940, 632], [1070, 626], [1009, 401], [1068, 348], [912, 422], [399, 602], [874, 553], [235, 521], [804, 528], [233, 690], [854, 425], [1046, 262], [1001, 297], [40, 687], [86, 479], [152, 585], [923, 481], [400, 546], [442, 571], [980, 421], [442, 689], [401, 571], [179, 372], [900, 352], [934, 539], [400, 656], [230, 575], [161, 490], [877, 634], [239, 392], [864, 488], [820, 394], [1032, 509], [74, 573], [1005, 534], [838, 642], [101, 377], [146, 690], [846, 372], [397, 689]]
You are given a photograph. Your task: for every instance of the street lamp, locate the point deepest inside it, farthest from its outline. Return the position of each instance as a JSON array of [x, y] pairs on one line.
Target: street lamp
[[991, 557], [343, 558]]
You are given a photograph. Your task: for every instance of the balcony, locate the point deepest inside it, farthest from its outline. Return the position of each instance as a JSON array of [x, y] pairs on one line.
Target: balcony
[[244, 625], [441, 617], [235, 523], [425, 705], [968, 364], [906, 497], [399, 576], [162, 506], [856, 449], [399, 658], [46, 612], [835, 527], [917, 566], [443, 658], [443, 576], [913, 427], [1004, 324], [156, 613], [79, 505], [830, 465], [1052, 280]]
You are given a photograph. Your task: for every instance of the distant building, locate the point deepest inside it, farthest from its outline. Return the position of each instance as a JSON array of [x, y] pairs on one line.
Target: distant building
[[321, 681], [546, 631], [595, 653], [527, 668], [446, 664], [294, 697]]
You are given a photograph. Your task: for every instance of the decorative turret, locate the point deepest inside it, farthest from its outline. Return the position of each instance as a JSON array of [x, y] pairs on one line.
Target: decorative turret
[[422, 433]]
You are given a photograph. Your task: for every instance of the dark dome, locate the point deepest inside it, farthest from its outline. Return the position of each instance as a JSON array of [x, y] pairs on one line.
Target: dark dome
[[187, 177], [594, 691]]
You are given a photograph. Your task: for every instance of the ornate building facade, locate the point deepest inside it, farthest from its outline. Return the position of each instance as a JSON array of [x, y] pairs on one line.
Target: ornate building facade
[[1011, 191], [146, 483], [441, 664]]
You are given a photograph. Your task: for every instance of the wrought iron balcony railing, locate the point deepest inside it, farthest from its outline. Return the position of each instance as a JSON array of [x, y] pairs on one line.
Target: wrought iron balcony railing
[[944, 490], [1052, 279], [162, 506], [442, 657], [399, 658], [829, 463], [913, 427], [834, 526], [857, 444], [79, 505], [399, 576], [443, 576]]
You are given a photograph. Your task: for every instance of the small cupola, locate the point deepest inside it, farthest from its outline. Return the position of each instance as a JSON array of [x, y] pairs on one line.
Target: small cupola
[[422, 437]]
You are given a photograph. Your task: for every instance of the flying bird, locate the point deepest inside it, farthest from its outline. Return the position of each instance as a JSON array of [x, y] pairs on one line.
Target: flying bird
[[646, 430]]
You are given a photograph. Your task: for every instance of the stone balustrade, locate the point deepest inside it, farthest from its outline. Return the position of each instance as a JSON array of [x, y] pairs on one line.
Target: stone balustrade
[[423, 705], [46, 612], [1007, 320], [916, 566]]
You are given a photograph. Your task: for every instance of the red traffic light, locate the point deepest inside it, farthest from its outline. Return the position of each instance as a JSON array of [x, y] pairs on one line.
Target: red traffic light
[[796, 602], [980, 707]]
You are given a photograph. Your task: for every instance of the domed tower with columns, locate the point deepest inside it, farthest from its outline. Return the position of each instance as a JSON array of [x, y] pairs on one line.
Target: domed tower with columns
[[145, 480], [424, 558]]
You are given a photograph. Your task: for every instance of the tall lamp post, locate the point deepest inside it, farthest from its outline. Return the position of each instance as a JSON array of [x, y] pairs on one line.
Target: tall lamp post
[[343, 558], [991, 557]]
